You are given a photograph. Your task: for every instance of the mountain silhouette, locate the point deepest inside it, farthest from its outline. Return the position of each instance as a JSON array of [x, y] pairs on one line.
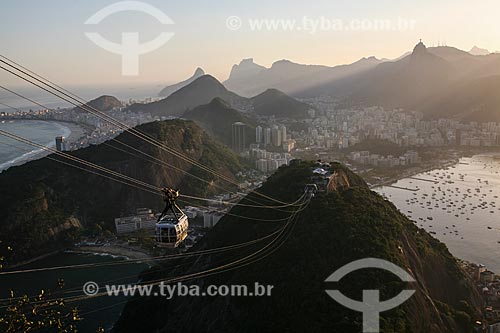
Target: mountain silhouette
[[201, 91], [168, 90]]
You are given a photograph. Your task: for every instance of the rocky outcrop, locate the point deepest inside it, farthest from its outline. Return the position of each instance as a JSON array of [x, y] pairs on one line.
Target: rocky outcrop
[[71, 222]]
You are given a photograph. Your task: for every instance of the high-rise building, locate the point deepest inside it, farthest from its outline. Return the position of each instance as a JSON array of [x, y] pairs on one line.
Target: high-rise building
[[144, 219], [272, 165], [261, 165], [267, 136], [283, 133], [210, 219], [238, 136], [276, 136], [258, 134], [60, 143]]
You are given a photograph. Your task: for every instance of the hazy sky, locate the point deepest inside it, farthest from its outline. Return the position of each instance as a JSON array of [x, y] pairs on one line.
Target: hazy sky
[[48, 36]]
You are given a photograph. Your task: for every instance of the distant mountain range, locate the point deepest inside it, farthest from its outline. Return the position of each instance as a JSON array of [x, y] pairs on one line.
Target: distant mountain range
[[206, 88], [201, 91], [430, 80], [167, 91], [273, 102], [421, 81], [243, 71], [249, 79], [395, 84]]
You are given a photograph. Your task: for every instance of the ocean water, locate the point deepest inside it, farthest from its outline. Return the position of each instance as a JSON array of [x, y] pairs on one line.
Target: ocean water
[[42, 132], [101, 311], [12, 152], [459, 205], [123, 93]]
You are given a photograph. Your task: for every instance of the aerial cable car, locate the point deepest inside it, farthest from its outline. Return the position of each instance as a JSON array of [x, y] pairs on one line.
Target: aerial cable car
[[171, 229]]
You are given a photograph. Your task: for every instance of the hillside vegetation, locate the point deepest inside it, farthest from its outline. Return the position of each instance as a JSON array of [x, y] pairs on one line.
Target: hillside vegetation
[[217, 117], [45, 202], [335, 229]]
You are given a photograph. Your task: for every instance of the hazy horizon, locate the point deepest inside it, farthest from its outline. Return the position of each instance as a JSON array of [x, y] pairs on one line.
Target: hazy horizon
[[49, 37]]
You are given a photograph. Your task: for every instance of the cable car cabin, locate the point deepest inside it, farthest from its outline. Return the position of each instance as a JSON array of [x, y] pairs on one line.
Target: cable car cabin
[[171, 231]]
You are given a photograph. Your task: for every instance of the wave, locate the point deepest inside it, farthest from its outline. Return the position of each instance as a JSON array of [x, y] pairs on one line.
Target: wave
[[99, 254], [30, 155], [23, 158]]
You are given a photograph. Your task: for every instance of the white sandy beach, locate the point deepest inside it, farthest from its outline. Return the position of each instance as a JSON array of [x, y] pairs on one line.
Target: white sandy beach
[[71, 131], [76, 131]]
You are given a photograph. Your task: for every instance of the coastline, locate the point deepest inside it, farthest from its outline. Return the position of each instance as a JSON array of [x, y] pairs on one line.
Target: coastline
[[73, 132], [112, 250], [454, 156], [77, 131], [416, 171]]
